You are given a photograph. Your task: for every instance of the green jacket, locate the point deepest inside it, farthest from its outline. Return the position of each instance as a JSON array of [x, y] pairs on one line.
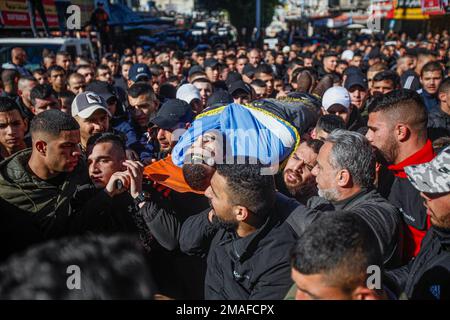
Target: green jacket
[[58, 210]]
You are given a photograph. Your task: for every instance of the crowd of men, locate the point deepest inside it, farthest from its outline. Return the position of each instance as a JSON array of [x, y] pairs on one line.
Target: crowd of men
[[229, 173]]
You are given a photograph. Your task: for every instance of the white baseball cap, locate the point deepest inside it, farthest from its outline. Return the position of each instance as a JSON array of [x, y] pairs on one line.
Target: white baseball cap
[[188, 92], [347, 55], [336, 95], [86, 103]]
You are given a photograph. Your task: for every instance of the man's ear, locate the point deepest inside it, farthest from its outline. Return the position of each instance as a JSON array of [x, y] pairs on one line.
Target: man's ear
[[25, 121], [343, 177], [402, 132], [364, 293], [41, 147], [241, 213]]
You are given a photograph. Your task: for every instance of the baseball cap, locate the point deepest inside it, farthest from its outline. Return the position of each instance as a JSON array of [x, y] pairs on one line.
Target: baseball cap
[[219, 98], [188, 92], [194, 69], [102, 88], [171, 113], [210, 63], [86, 103], [355, 79], [239, 85], [249, 70], [347, 55], [336, 95], [433, 176], [139, 70]]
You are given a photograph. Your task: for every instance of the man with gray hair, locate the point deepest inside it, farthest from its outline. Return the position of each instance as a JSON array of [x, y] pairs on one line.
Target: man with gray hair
[[345, 173]]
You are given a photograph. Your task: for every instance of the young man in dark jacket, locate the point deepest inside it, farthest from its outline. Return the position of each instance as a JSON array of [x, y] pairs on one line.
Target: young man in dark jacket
[[426, 277], [439, 120], [243, 236], [398, 132]]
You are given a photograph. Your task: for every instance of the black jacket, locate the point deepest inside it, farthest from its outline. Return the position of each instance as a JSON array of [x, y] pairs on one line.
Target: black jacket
[[427, 277], [356, 121], [382, 217], [438, 125], [253, 267]]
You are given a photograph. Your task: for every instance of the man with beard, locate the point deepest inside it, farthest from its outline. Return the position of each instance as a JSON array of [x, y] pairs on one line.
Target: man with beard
[[243, 236], [345, 174], [297, 175], [398, 132]]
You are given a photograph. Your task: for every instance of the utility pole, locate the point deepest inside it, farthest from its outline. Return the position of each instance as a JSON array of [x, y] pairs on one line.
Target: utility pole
[[258, 22]]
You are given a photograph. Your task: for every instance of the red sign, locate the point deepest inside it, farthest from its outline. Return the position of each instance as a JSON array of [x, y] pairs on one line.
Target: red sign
[[432, 7], [14, 14]]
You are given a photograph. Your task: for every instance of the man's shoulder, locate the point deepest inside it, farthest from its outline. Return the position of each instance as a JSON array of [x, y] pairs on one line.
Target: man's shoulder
[[13, 169]]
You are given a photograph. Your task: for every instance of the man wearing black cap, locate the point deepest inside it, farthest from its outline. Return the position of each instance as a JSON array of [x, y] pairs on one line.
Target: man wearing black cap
[[139, 72], [241, 92], [357, 88], [173, 115], [248, 73], [212, 69], [219, 98]]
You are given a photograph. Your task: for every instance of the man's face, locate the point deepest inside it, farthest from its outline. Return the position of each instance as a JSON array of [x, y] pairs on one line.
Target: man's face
[[254, 58], [125, 69], [231, 64], [88, 74], [220, 55], [12, 130], [314, 287], [63, 152], [370, 76], [57, 79], [104, 75], [41, 78], [308, 62], [431, 81], [268, 79], [142, 109], [356, 61], [438, 208], [330, 64], [26, 91], [381, 136], [205, 89], [63, 61], [212, 74], [382, 87], [340, 111], [358, 96], [76, 85], [42, 105], [165, 140], [326, 174], [19, 56], [114, 66], [341, 68], [177, 66], [49, 61], [297, 174], [98, 122], [219, 198], [104, 160], [240, 64]]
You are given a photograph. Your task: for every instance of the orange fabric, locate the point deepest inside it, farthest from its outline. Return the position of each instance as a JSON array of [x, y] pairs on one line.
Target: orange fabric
[[164, 172]]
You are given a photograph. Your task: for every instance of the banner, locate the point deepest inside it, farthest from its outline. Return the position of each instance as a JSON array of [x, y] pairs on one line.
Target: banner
[[14, 14], [409, 10], [432, 7]]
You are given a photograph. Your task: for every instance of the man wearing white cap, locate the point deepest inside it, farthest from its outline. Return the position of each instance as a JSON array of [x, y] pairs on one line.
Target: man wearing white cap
[[92, 114], [337, 101], [189, 93]]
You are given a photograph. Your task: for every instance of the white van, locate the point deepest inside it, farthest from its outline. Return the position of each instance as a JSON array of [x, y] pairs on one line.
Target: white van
[[35, 46]]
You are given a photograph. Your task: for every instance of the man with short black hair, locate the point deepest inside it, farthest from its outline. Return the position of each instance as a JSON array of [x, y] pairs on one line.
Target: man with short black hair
[[64, 60], [331, 260], [430, 79], [43, 98], [384, 82], [329, 63], [327, 124], [398, 132], [265, 73], [260, 89], [86, 71], [76, 83], [25, 85], [12, 128], [57, 78], [10, 78], [205, 87], [243, 236], [297, 174], [439, 120]]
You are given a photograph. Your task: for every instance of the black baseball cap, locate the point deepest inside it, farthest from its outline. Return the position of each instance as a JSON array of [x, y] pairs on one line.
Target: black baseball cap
[[219, 98], [249, 70], [102, 88], [355, 79], [138, 71], [171, 113], [211, 63], [239, 85]]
